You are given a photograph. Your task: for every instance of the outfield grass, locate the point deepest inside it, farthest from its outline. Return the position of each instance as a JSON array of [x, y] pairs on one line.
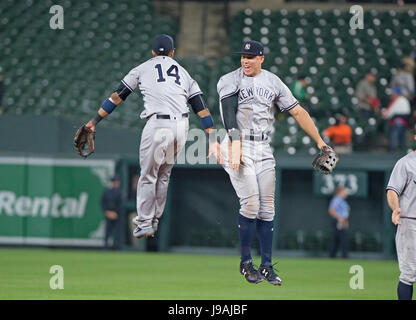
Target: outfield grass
[[24, 274]]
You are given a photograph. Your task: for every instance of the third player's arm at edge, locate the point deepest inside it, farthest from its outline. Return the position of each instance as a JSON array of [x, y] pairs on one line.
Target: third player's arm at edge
[[306, 123], [393, 202]]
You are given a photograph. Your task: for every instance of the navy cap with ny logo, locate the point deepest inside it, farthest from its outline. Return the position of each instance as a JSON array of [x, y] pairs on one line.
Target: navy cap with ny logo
[[163, 44], [252, 47]]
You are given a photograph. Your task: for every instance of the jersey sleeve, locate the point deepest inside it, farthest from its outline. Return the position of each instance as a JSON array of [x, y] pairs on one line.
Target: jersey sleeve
[[194, 89], [131, 80], [227, 86], [284, 97], [398, 178]]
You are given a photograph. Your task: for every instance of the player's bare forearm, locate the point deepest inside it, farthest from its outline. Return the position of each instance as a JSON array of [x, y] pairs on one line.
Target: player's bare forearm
[[306, 123], [214, 146], [393, 200], [101, 114]]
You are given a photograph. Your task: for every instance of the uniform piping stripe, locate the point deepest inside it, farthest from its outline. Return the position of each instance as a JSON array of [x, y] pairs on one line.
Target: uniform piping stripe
[[291, 106], [128, 87], [394, 189], [195, 94], [229, 95]]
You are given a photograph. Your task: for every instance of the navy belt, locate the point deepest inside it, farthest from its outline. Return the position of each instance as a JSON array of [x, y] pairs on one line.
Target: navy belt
[[167, 116]]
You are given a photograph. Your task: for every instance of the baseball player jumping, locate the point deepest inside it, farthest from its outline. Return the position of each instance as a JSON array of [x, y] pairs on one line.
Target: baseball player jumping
[[401, 197], [167, 88], [248, 96]]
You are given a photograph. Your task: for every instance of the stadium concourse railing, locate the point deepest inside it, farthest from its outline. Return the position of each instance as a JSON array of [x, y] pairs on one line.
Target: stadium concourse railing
[[302, 198]]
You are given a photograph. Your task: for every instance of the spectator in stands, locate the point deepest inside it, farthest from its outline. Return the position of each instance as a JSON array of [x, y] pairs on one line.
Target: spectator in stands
[[1, 92], [366, 93], [298, 89], [340, 135], [112, 206], [339, 210], [403, 79], [397, 112]]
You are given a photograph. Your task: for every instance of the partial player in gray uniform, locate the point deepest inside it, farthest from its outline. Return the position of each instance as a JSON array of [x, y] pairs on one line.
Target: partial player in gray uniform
[[167, 88], [248, 97], [401, 197]]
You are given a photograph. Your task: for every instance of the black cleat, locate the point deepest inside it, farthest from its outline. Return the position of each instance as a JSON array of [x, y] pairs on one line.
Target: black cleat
[[248, 270], [269, 274]]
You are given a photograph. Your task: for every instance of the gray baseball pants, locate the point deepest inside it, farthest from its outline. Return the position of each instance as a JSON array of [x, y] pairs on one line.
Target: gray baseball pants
[[406, 250], [255, 181], [161, 142]]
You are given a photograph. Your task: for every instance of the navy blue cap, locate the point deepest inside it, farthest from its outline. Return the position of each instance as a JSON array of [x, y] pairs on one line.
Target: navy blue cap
[[252, 47], [163, 44]]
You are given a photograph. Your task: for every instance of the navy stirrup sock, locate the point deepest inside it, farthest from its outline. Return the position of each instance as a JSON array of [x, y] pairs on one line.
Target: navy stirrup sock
[[245, 233], [404, 291], [265, 235]]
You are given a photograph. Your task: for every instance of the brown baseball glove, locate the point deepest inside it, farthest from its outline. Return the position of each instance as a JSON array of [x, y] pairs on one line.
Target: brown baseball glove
[[84, 141]]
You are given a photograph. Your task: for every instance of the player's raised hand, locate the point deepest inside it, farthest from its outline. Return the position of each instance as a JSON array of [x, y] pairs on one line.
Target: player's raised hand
[[395, 216], [235, 154], [215, 150], [91, 126]]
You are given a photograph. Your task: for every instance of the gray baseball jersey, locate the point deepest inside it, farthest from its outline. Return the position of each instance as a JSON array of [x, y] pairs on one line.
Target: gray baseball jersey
[[403, 182], [255, 180], [257, 97], [166, 86]]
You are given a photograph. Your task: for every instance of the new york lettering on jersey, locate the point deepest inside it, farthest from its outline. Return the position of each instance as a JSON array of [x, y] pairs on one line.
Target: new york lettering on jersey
[[261, 93]]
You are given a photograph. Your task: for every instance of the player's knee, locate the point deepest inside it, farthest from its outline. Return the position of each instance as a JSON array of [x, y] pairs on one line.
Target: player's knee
[[265, 215], [266, 211], [250, 207]]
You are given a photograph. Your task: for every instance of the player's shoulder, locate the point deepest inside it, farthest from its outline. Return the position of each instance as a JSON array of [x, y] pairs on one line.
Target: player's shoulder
[[410, 157], [140, 67], [270, 75], [231, 76], [404, 161]]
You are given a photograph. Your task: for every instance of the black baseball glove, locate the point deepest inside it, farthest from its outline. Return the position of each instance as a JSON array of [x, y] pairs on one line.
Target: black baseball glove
[[325, 161], [84, 141]]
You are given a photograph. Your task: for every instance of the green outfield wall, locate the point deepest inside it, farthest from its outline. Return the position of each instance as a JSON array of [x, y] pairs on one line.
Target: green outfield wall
[[54, 201], [47, 201], [202, 206]]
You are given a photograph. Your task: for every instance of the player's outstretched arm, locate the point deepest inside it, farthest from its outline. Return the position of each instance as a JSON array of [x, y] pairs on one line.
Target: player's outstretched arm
[[306, 123], [393, 201], [229, 107], [198, 106], [109, 105]]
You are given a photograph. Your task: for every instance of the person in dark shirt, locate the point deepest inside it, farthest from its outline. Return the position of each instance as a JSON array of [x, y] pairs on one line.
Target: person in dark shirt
[[111, 204]]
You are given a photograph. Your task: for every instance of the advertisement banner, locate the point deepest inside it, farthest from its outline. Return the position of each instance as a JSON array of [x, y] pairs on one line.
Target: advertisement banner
[[46, 201]]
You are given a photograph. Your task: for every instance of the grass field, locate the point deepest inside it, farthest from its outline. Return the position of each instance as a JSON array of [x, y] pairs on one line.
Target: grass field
[[24, 274]]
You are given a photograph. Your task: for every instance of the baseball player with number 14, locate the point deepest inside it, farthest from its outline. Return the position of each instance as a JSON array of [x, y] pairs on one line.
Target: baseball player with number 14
[[248, 96], [167, 89]]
